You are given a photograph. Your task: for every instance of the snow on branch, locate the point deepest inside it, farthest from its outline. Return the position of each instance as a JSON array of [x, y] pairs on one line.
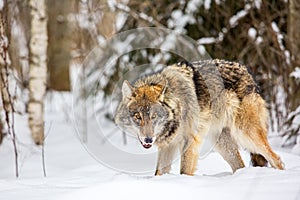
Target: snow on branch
[[135, 14], [296, 73], [233, 21]]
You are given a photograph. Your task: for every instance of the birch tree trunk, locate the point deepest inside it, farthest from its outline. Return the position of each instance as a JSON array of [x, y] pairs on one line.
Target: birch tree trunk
[[3, 64], [18, 15], [38, 69], [4, 39]]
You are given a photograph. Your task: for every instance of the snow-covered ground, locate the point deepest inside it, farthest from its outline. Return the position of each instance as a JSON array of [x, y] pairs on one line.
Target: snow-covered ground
[[72, 173]]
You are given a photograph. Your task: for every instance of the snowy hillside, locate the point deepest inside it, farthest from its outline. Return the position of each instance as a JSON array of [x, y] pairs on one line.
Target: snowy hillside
[[73, 174]]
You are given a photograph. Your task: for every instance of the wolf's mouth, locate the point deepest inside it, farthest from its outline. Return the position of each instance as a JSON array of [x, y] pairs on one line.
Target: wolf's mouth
[[145, 145]]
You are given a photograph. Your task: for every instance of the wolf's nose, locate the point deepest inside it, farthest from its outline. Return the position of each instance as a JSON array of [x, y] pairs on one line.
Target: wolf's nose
[[148, 140]]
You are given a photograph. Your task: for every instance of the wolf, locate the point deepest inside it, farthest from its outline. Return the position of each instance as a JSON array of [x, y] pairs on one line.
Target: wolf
[[179, 106]]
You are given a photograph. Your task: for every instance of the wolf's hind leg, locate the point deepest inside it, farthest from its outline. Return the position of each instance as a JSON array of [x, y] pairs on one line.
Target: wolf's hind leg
[[189, 155], [228, 149], [165, 158], [258, 160], [258, 144], [252, 121], [262, 147]]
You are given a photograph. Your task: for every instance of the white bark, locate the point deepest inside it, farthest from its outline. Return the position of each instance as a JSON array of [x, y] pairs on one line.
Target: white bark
[[3, 65], [38, 69]]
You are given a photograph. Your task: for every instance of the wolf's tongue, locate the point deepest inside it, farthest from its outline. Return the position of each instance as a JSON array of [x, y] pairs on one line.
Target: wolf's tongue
[[147, 146]]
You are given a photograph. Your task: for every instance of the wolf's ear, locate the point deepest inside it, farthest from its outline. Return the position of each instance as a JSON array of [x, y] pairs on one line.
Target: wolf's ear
[[164, 85], [127, 90]]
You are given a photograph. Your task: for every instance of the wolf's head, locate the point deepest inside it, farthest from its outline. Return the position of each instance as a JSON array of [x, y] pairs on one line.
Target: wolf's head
[[142, 111]]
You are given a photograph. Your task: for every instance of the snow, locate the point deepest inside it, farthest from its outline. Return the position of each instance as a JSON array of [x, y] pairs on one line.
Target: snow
[[169, 42], [179, 20], [207, 40], [257, 3], [287, 56], [112, 4], [207, 4], [259, 40], [252, 183], [120, 6], [1, 4], [233, 21], [252, 33], [296, 73], [293, 128], [193, 5], [296, 148], [218, 2], [120, 20], [73, 174], [275, 27], [201, 49], [279, 35]]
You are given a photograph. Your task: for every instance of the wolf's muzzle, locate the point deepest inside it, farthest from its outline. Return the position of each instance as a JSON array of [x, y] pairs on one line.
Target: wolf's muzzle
[[147, 142]]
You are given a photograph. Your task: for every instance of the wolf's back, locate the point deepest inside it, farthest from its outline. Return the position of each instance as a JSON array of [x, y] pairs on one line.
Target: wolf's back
[[229, 75]]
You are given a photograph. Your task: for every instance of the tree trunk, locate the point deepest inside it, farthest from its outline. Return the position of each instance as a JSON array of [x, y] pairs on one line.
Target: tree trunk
[[294, 45], [4, 39], [19, 18], [107, 25], [3, 62], [60, 33], [38, 69]]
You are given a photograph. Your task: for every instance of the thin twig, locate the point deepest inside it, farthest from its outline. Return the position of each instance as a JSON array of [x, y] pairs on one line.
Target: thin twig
[[43, 151], [124, 138]]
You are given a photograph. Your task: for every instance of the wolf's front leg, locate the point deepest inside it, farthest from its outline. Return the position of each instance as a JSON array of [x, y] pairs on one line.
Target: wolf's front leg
[[189, 155], [165, 158]]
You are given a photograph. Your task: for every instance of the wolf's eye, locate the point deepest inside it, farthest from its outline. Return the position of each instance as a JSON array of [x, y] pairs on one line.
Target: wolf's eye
[[137, 116], [154, 115]]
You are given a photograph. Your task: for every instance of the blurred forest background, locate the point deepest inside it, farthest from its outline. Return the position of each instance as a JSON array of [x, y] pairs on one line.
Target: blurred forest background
[[42, 40]]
